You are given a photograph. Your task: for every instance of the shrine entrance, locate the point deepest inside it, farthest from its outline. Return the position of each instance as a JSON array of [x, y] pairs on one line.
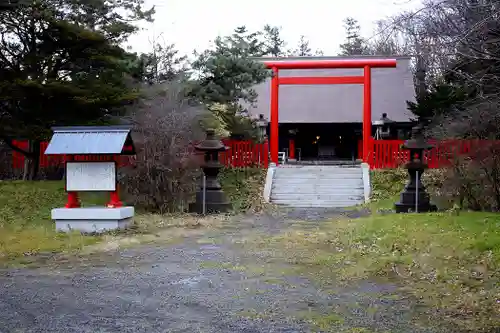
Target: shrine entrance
[[320, 141], [365, 80]]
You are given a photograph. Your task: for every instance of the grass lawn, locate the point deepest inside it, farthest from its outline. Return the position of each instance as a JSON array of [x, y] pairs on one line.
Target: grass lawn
[[26, 228], [449, 261], [27, 231]]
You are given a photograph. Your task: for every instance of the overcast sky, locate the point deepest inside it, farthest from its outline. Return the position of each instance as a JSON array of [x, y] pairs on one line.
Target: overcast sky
[[193, 24]]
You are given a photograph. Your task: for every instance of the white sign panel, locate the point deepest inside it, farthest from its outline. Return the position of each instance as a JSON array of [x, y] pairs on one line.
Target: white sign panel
[[90, 176]]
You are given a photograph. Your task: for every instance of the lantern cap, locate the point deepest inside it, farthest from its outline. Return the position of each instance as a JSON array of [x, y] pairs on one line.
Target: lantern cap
[[211, 143], [417, 140], [384, 120]]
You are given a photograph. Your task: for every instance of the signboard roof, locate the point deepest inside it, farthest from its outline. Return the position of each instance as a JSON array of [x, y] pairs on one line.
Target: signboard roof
[[87, 140]]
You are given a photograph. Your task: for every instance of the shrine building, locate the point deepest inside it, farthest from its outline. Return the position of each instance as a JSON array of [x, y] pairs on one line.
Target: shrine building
[[327, 108]]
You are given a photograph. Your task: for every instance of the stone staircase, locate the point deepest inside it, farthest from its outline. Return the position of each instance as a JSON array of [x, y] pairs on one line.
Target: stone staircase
[[318, 185]]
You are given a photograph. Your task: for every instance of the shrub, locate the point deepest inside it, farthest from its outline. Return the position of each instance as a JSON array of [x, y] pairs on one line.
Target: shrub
[[387, 183], [163, 177], [473, 180], [244, 188]]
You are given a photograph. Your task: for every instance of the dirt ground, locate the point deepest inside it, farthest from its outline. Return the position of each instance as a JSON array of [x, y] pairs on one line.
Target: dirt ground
[[206, 282]]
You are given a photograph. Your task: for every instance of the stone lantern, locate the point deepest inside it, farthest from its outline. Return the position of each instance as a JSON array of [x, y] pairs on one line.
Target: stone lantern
[[382, 127], [210, 191], [261, 124], [414, 197]]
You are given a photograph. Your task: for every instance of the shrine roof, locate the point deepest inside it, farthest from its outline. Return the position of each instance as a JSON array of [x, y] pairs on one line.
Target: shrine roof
[[87, 140]]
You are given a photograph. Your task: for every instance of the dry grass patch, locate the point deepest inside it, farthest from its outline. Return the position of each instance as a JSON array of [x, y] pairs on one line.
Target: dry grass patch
[[153, 228]]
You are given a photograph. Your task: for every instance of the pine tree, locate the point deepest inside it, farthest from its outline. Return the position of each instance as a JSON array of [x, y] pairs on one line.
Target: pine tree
[[274, 45], [61, 64], [355, 44], [163, 63], [303, 49], [226, 76], [227, 71]]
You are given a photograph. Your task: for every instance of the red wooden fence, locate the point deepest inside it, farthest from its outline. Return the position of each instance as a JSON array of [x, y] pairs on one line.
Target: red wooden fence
[[240, 154], [245, 154], [384, 154]]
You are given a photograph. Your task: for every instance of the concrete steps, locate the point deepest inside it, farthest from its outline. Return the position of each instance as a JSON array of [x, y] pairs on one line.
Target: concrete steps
[[318, 186], [316, 204]]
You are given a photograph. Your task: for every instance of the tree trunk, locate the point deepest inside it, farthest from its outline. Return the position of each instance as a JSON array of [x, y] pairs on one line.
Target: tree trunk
[[26, 168], [32, 163], [420, 78]]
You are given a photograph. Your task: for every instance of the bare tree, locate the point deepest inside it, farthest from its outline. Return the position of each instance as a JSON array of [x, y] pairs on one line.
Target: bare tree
[[440, 32], [163, 177], [457, 42]]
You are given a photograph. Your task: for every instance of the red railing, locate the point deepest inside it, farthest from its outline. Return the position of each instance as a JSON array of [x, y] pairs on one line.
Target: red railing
[[240, 154], [387, 154], [384, 154], [245, 154]]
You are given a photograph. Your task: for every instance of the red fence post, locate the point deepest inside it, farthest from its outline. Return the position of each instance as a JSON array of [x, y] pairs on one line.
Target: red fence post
[[17, 157], [44, 161]]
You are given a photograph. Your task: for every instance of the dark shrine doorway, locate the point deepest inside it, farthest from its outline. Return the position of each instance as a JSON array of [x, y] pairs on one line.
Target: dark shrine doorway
[[322, 141]]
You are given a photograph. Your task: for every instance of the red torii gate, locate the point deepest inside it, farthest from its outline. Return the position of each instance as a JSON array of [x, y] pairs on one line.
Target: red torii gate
[[365, 80]]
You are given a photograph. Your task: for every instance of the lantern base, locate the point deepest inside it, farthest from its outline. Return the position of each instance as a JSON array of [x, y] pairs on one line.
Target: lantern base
[[215, 202], [92, 219], [412, 208]]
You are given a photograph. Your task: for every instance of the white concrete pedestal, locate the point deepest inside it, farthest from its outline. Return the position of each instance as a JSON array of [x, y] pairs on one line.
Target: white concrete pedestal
[[92, 219]]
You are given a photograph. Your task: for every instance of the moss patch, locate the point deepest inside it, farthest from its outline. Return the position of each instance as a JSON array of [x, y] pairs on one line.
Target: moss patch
[[319, 322]]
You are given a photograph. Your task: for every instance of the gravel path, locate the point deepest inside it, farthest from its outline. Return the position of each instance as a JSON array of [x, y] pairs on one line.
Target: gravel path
[[195, 286]]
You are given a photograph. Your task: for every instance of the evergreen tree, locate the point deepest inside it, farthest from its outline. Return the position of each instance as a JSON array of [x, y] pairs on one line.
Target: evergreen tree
[[442, 98], [274, 45], [303, 49], [355, 44], [61, 64], [163, 63], [226, 74]]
